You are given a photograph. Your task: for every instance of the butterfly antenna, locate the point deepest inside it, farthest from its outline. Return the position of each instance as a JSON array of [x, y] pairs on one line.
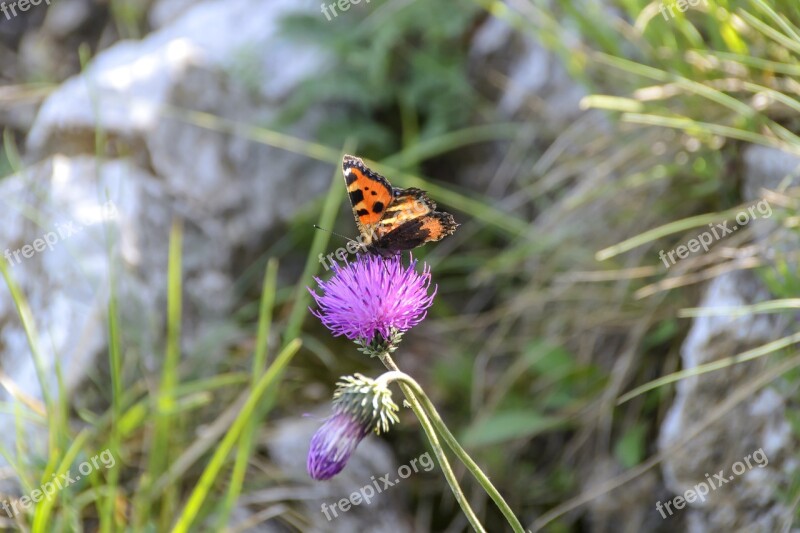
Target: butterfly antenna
[[333, 233]]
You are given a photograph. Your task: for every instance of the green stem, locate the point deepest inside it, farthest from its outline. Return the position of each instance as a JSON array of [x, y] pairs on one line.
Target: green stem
[[436, 445], [409, 385]]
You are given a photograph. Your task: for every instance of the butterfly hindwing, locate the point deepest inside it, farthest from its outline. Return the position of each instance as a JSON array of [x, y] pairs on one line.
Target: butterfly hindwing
[[392, 220], [418, 231], [407, 205]]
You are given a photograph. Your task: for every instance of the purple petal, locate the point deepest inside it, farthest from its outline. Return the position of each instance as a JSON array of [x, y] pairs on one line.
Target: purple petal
[[333, 444], [371, 296]]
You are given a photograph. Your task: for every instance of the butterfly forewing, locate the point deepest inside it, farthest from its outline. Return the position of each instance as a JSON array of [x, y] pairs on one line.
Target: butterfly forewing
[[370, 193]]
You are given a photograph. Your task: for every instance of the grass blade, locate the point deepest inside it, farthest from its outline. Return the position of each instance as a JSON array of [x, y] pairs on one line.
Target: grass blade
[[259, 363], [204, 485], [749, 355], [165, 404]]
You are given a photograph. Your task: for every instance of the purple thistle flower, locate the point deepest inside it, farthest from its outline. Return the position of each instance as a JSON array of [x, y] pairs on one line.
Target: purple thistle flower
[[372, 296], [333, 443]]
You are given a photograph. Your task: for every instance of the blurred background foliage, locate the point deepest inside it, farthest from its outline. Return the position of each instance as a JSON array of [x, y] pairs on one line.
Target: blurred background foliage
[[681, 96]]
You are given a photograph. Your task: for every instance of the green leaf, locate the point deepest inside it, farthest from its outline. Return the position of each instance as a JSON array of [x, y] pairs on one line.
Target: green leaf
[[629, 449], [504, 426], [550, 360]]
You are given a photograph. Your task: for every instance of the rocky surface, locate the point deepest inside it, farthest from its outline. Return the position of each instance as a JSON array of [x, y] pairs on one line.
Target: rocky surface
[[227, 189], [373, 459], [82, 211], [751, 501], [537, 82]]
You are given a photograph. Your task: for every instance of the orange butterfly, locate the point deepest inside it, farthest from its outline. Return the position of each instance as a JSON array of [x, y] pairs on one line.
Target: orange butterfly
[[392, 220]]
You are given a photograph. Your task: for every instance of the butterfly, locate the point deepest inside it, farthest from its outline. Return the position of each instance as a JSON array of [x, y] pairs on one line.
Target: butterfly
[[392, 220]]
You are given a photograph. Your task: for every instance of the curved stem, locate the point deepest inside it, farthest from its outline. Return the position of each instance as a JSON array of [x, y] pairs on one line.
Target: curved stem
[[408, 384], [435, 444]]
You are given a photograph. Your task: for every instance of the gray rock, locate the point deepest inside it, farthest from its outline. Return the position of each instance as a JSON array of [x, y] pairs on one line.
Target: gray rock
[[64, 18], [288, 445], [228, 190], [750, 501], [755, 424], [537, 80], [768, 168], [82, 212]]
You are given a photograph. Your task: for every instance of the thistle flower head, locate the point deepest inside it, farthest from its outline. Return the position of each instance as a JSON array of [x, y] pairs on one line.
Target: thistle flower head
[[369, 400], [373, 301], [360, 405]]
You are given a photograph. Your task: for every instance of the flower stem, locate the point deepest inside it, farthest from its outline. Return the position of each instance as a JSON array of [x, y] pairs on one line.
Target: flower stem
[[434, 440], [412, 390]]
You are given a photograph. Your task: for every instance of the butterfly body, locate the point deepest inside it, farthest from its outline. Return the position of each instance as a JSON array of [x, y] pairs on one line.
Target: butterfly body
[[392, 220]]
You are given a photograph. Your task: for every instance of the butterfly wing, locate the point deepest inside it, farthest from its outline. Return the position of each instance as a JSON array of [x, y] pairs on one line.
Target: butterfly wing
[[411, 220], [370, 195]]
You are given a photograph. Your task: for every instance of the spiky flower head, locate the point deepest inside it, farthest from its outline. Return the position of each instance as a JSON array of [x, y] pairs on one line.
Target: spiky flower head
[[370, 400], [373, 300], [360, 405]]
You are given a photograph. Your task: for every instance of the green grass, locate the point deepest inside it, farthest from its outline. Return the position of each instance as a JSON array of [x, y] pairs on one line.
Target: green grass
[[153, 502]]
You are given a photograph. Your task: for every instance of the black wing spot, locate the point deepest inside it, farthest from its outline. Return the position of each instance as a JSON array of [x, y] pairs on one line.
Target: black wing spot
[[356, 197], [378, 207], [350, 178], [362, 212], [374, 193]]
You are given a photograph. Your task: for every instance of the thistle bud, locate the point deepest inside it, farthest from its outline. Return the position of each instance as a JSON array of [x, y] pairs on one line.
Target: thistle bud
[[360, 405]]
